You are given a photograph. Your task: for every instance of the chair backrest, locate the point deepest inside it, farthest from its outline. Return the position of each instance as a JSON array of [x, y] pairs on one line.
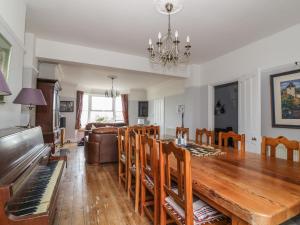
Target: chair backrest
[[149, 155], [137, 129], [210, 136], [236, 138], [153, 131], [122, 141], [182, 195], [272, 144], [133, 148], [183, 131]]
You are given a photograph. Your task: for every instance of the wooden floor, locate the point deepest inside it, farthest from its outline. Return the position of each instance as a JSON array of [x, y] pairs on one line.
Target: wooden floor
[[91, 195]]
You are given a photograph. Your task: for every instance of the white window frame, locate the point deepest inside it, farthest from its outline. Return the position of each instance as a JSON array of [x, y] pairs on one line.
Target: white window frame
[[91, 110]]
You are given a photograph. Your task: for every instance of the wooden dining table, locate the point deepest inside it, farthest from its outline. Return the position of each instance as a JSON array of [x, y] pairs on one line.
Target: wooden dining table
[[248, 188]]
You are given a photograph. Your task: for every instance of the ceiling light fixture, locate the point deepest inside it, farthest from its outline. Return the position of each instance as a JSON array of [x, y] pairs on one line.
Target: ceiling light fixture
[[112, 93], [167, 47]]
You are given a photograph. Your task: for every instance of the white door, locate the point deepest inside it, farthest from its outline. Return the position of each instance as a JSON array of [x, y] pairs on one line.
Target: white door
[[159, 114], [250, 110]]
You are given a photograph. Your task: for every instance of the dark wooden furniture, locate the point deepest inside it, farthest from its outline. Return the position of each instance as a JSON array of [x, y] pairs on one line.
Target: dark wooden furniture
[[210, 136], [183, 131], [234, 137], [272, 144], [48, 116], [29, 178], [149, 152], [247, 187]]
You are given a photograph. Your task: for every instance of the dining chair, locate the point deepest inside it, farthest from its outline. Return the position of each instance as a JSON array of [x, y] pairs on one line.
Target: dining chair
[[183, 131], [133, 181], [149, 178], [210, 136], [236, 139], [178, 202], [269, 147], [122, 158], [153, 131]]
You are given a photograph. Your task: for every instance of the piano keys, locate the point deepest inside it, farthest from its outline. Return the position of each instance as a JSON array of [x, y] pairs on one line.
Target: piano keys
[[29, 178]]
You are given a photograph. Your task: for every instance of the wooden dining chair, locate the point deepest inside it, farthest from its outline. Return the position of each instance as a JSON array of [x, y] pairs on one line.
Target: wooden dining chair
[[183, 131], [269, 143], [149, 178], [178, 202], [133, 182], [236, 139], [153, 131], [210, 136], [123, 152]]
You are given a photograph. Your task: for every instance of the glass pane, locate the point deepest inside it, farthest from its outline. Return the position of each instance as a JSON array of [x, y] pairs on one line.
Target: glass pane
[[85, 102], [118, 104], [84, 118], [101, 116], [101, 103], [119, 116]]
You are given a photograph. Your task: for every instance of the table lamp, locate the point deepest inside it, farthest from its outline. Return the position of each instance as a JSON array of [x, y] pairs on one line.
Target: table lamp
[[4, 90], [30, 97]]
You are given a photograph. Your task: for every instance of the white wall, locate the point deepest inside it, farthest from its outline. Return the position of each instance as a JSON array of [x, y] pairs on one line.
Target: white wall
[[134, 96], [68, 93], [13, 12], [53, 50], [267, 54], [12, 26]]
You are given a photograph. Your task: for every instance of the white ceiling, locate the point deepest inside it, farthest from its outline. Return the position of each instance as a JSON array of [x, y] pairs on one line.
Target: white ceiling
[[215, 26], [94, 78]]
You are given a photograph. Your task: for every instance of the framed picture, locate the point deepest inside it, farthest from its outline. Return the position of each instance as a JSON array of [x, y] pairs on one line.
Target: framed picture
[[143, 108], [285, 99], [5, 51], [66, 106]]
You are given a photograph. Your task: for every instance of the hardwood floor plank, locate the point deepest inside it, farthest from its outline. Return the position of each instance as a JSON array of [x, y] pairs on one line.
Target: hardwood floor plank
[[91, 195]]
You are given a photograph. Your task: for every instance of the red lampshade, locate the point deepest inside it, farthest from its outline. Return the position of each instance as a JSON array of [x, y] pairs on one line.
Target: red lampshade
[[30, 96], [4, 90]]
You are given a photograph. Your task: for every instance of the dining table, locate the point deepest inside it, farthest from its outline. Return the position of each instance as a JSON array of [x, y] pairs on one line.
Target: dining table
[[247, 187]]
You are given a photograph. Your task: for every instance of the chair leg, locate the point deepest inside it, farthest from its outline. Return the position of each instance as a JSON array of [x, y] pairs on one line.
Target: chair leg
[[143, 198], [129, 180], [137, 194], [120, 170], [163, 216], [156, 209]]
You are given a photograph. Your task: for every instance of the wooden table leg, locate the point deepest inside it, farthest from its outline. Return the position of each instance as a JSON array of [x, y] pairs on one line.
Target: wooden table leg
[[238, 221]]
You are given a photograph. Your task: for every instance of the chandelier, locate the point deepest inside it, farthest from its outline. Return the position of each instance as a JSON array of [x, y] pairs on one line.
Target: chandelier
[[167, 49], [112, 93]]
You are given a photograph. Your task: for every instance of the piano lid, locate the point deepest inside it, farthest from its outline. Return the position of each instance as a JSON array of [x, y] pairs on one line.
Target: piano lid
[[18, 148]]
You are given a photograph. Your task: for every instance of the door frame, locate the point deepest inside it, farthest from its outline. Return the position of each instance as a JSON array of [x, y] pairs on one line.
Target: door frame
[[211, 102]]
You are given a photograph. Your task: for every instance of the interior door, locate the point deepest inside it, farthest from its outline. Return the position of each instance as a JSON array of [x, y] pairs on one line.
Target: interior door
[[159, 114], [250, 110]]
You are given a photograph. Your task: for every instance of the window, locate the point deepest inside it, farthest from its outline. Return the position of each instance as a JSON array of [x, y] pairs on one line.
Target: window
[[97, 108]]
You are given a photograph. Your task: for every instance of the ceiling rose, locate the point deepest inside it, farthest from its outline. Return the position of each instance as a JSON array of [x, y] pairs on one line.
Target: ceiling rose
[[161, 6]]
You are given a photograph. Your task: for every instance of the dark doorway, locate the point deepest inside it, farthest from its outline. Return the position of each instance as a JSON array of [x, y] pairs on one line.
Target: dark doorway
[[226, 108]]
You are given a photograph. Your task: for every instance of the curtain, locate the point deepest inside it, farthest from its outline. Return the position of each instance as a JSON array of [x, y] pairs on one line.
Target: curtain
[[124, 98], [79, 98]]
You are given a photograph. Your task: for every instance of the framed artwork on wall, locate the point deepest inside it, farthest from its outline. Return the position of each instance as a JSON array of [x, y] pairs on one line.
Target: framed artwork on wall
[[143, 108], [5, 51], [285, 99], [66, 106]]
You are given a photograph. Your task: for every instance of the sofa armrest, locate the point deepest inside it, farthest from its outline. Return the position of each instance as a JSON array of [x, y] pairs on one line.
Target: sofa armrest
[[92, 152]]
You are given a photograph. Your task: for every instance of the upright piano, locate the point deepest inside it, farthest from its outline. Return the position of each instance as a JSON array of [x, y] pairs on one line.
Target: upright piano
[[29, 178]]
